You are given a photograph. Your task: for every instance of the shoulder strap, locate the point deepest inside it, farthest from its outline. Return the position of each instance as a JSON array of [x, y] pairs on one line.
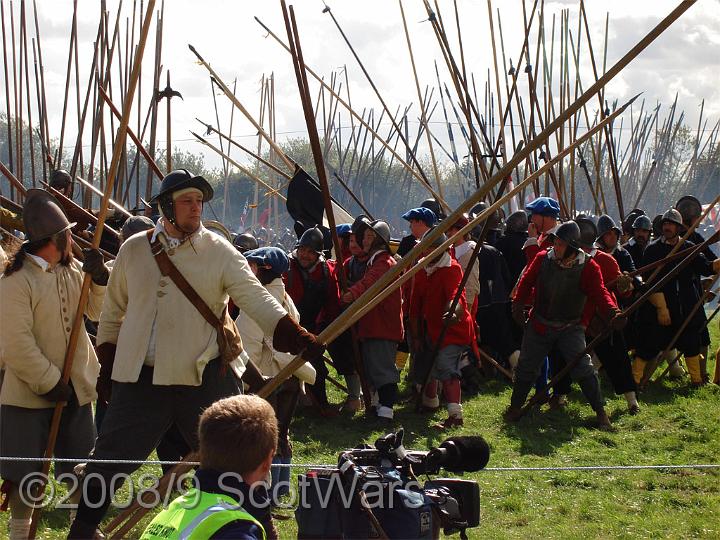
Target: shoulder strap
[[167, 268]]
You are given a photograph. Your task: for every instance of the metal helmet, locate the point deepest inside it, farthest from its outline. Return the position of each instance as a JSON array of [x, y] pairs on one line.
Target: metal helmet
[[642, 222], [436, 207], [673, 216], [43, 216], [175, 181], [569, 232], [588, 232], [245, 242], [690, 209], [494, 219], [606, 223], [627, 225], [134, 225], [312, 239], [361, 223], [517, 222], [382, 230], [60, 179]]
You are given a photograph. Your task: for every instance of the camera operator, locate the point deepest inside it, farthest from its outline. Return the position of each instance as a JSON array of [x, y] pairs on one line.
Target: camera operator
[[237, 438]]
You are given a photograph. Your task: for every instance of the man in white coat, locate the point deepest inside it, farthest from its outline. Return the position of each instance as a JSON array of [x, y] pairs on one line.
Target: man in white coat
[[159, 351], [39, 294]]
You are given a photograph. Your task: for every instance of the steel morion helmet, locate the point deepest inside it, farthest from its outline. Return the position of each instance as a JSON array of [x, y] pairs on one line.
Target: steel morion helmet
[[382, 230], [43, 216], [517, 222], [313, 239], [245, 242], [569, 232], [690, 209], [642, 222], [673, 216], [605, 224]]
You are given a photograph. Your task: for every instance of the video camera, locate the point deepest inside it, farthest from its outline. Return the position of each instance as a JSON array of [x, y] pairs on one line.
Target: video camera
[[374, 492]]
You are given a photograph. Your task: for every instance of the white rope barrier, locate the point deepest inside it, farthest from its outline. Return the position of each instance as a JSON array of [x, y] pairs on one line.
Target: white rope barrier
[[328, 466]]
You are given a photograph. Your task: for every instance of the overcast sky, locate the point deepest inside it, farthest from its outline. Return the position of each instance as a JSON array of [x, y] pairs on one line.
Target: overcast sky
[[685, 59]]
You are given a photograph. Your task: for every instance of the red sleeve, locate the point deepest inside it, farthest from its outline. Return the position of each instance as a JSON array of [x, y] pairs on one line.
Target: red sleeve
[[379, 266], [591, 282], [531, 252], [523, 292]]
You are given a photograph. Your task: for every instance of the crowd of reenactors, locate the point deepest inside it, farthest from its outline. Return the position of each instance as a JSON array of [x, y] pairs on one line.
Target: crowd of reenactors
[[527, 302]]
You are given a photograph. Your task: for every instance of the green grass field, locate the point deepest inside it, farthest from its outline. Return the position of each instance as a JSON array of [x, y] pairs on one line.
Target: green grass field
[[677, 425]]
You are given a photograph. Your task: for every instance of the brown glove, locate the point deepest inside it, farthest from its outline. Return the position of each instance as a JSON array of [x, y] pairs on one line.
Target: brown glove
[[106, 356], [59, 393], [518, 313], [292, 338]]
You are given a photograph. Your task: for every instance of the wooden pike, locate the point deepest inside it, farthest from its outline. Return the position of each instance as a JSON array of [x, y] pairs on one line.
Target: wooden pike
[[95, 190], [244, 170], [652, 366], [152, 165], [8, 114], [423, 116], [608, 134], [360, 118], [301, 76], [403, 271], [73, 38], [241, 108], [78, 321], [412, 156], [211, 129], [542, 394]]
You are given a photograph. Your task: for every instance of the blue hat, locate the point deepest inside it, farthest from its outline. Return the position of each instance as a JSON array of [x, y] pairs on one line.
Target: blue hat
[[343, 229], [545, 206], [273, 257], [423, 214]]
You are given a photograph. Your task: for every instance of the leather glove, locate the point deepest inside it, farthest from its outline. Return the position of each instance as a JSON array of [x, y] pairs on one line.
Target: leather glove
[[61, 392], [94, 265], [663, 313], [624, 283], [618, 321], [106, 356], [518, 313], [292, 338], [716, 266]]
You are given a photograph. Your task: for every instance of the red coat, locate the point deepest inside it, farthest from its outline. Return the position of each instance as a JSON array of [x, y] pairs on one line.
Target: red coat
[[531, 251], [591, 283], [325, 311], [610, 270], [431, 295], [384, 321]]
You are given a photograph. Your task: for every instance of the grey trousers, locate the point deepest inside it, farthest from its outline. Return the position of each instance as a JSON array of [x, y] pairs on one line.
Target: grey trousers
[[570, 342]]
